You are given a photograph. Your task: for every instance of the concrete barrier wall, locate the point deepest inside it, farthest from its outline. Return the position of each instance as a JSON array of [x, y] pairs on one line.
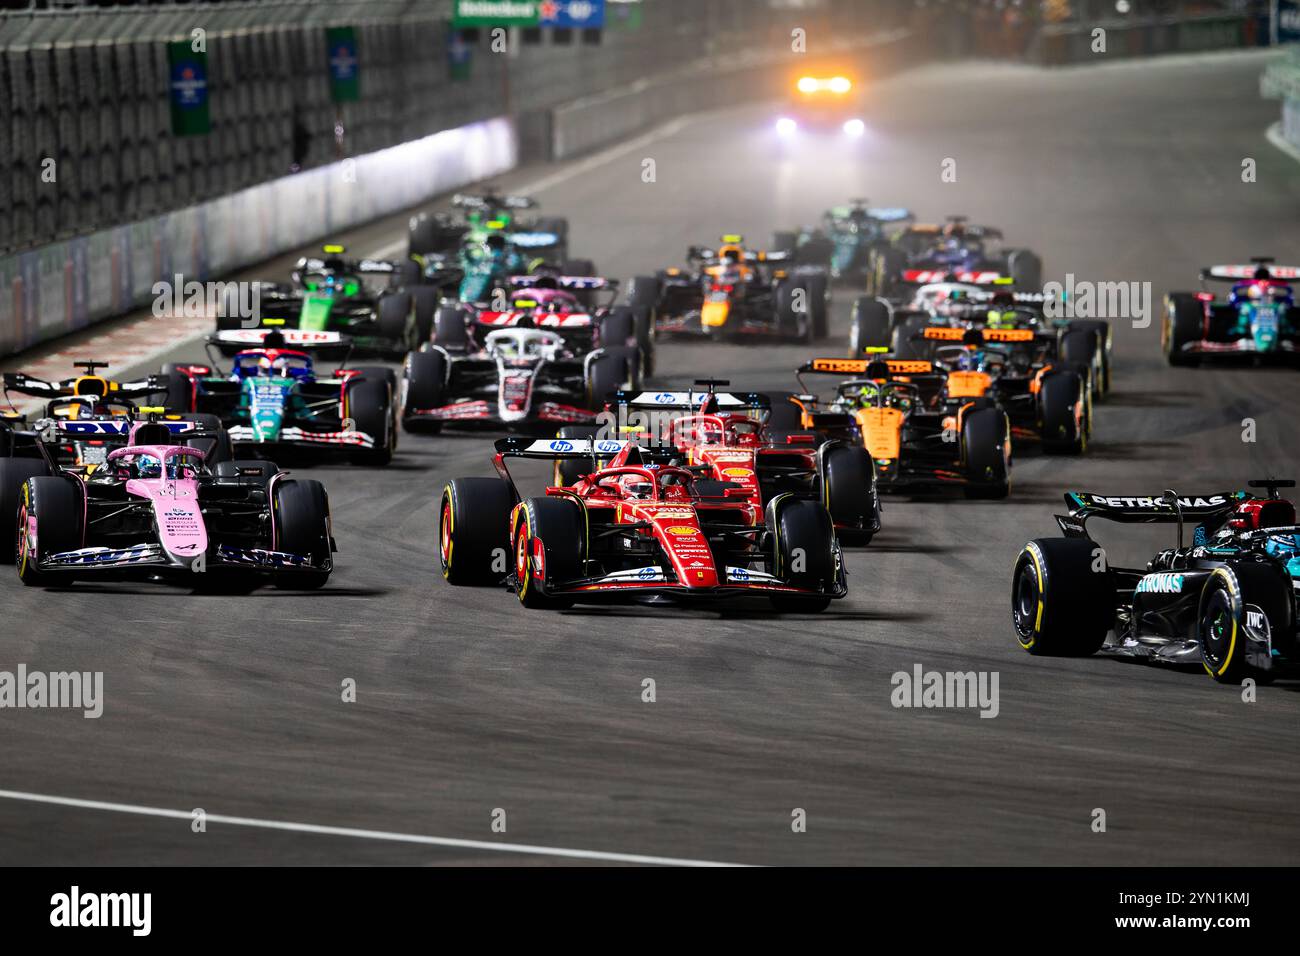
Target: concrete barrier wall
[[1062, 45], [1281, 81], [67, 285]]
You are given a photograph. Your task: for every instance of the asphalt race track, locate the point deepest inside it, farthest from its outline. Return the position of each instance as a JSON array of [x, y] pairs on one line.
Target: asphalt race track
[[467, 703]]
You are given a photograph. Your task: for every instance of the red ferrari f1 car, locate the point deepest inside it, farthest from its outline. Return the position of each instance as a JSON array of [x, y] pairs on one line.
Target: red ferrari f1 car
[[633, 530]]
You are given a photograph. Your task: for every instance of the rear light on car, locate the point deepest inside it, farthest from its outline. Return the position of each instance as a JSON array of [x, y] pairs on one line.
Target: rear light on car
[[723, 288], [1205, 296]]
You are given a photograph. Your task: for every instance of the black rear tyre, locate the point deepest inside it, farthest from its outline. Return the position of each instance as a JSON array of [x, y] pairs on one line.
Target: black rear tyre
[[302, 524], [1184, 323], [424, 387], [871, 326], [985, 453], [1062, 597], [451, 329], [370, 409], [474, 531], [849, 493], [1062, 414], [396, 322], [605, 376], [57, 505]]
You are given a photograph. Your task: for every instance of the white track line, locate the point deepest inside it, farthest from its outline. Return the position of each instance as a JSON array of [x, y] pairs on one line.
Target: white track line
[[358, 833]]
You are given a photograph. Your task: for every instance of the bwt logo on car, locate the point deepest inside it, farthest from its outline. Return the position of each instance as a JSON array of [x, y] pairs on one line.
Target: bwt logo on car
[[181, 299], [1098, 300]]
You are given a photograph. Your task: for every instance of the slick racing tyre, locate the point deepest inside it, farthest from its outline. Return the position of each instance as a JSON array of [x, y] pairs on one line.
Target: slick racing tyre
[[180, 389], [424, 387], [395, 321], [804, 552], [451, 328], [793, 311], [48, 522], [370, 411], [1184, 323], [1101, 329], [849, 493], [549, 545], [1232, 596], [1082, 347], [818, 303], [901, 344], [1026, 270], [605, 376], [425, 298], [569, 471], [618, 328], [1062, 597], [884, 267], [14, 473], [474, 531], [984, 445], [1063, 414], [302, 526], [870, 326]]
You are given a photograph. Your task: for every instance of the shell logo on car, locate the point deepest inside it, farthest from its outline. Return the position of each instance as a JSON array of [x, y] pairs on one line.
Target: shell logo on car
[[682, 531]]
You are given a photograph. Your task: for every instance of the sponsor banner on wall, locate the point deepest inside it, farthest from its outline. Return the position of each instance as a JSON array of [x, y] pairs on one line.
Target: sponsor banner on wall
[[189, 89], [344, 63]]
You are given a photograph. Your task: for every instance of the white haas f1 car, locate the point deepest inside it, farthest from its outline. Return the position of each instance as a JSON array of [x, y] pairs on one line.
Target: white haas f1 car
[[546, 360], [155, 510], [632, 531]]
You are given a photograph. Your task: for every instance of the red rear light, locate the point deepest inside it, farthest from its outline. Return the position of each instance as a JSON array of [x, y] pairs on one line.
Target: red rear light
[[723, 288], [1205, 296]]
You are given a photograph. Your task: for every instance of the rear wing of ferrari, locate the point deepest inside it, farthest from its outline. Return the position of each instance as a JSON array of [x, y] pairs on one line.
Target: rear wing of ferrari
[[692, 400], [595, 450]]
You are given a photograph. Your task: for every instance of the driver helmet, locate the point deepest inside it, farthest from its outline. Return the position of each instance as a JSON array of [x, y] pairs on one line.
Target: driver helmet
[[148, 466], [637, 487]]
